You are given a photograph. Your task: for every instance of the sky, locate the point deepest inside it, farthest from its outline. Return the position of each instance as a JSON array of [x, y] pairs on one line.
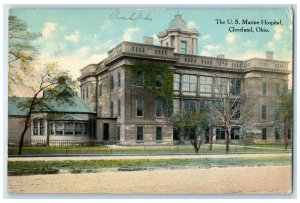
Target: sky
[[76, 37]]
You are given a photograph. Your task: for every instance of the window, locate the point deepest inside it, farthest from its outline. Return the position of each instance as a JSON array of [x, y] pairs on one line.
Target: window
[[235, 110], [189, 83], [158, 133], [84, 128], [59, 128], [119, 79], [264, 112], [78, 128], [118, 132], [183, 47], [69, 128], [205, 105], [221, 86], [189, 105], [264, 88], [139, 107], [111, 109], [277, 134], [278, 89], [119, 107], [111, 83], [167, 44], [42, 126], [140, 79], [100, 90], [52, 128], [205, 86], [220, 133], [100, 111], [139, 133], [176, 103], [87, 92], [235, 133], [35, 126], [264, 133], [83, 93], [277, 113], [158, 108], [159, 80], [176, 85], [235, 87]]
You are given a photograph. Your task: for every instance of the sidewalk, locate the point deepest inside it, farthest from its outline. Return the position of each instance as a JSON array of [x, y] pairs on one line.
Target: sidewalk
[[124, 157]]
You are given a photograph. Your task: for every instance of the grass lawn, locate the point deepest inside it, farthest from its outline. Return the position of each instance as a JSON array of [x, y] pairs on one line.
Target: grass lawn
[[52, 167], [172, 149]]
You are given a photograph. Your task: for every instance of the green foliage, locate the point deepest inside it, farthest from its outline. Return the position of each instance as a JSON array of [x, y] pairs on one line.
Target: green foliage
[[76, 171], [151, 69], [33, 171], [188, 122], [20, 49], [286, 105], [43, 167]]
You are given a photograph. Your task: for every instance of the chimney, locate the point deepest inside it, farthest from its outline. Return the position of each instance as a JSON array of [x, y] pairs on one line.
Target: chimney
[[269, 55], [221, 56], [148, 40]]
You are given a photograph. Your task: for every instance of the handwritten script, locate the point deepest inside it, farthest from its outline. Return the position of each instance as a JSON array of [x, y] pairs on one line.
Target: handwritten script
[[134, 16]]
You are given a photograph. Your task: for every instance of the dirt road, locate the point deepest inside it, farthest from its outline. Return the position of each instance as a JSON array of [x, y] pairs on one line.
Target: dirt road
[[229, 180]]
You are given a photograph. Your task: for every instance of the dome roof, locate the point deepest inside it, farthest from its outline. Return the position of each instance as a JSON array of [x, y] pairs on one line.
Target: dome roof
[[177, 22]]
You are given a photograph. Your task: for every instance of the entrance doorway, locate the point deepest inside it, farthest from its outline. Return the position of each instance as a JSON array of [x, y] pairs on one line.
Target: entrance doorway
[[105, 131]]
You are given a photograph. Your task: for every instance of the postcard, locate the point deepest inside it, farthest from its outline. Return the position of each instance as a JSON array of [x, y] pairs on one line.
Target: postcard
[[150, 100]]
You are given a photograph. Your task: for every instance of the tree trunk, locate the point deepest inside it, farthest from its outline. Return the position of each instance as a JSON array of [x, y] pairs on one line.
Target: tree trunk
[[227, 140], [286, 128], [23, 135], [197, 143], [181, 137], [210, 140], [48, 134]]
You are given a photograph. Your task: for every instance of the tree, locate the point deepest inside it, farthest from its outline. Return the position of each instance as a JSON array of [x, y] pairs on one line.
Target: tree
[[21, 52], [44, 83], [286, 111], [231, 109], [191, 126], [247, 132]]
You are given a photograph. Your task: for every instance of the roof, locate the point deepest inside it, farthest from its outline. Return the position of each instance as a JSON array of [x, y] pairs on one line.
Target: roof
[[16, 105], [69, 117], [178, 22]]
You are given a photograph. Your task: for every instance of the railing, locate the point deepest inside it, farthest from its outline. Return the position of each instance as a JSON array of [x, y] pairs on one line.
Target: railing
[[90, 69], [266, 64], [140, 49], [209, 61], [95, 147]]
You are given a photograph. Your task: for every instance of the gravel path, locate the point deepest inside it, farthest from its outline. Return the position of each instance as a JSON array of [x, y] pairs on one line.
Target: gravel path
[[229, 180], [116, 157]]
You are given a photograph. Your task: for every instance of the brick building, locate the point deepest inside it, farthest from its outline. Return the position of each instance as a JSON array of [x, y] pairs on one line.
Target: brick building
[[126, 114]]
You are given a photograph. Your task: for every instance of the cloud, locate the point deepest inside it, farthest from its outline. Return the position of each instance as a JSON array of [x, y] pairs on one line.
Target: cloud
[[49, 29], [107, 25], [230, 38], [73, 37], [74, 61], [191, 25], [205, 37], [155, 38], [278, 32], [128, 33], [211, 50]]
